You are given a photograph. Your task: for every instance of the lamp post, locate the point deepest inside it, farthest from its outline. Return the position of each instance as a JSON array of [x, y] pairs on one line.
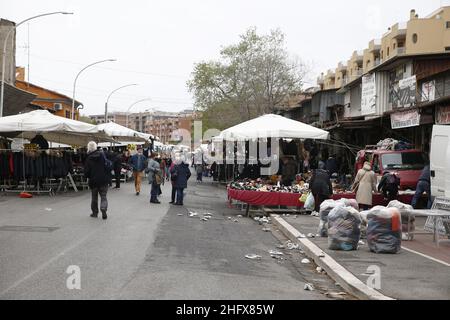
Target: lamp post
[[4, 51], [107, 100], [75, 82], [128, 111]]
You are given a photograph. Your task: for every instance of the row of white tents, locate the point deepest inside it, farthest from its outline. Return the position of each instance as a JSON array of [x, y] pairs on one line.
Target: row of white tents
[[66, 131], [76, 133]]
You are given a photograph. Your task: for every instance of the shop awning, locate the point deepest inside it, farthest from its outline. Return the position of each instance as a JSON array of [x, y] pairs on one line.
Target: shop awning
[[272, 126], [16, 100]]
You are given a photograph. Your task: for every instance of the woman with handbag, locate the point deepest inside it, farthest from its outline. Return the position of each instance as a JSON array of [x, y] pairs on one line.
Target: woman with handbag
[[365, 183]]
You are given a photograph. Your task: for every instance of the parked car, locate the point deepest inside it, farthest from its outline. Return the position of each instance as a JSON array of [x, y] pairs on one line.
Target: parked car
[[406, 164]]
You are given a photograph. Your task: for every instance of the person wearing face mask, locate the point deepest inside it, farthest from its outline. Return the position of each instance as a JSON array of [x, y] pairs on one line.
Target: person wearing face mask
[[139, 163]]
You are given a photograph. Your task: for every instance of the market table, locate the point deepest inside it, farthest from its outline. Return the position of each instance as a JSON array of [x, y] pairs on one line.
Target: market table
[[288, 199]]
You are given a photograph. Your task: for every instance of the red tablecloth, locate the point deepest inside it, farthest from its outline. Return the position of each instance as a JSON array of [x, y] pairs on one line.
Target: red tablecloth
[[259, 198]]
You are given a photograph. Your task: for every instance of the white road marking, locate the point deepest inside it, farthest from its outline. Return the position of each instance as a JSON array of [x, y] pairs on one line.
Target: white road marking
[[428, 257], [46, 264]]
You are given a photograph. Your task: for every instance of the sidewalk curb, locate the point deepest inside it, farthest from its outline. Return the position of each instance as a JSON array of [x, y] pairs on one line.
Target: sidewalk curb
[[336, 271]]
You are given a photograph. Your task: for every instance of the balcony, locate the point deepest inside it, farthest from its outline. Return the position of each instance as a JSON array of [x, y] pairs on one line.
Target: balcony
[[401, 50]]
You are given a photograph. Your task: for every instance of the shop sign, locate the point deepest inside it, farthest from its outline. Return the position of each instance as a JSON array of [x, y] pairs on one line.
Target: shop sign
[[30, 146], [405, 119], [368, 94], [404, 95], [428, 91], [443, 115]]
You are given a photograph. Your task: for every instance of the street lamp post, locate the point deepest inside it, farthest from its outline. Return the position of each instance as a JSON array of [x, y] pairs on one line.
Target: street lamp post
[[75, 82], [107, 100], [2, 90], [132, 105]]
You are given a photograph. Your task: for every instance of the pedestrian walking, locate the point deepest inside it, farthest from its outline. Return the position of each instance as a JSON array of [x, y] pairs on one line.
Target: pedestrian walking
[[117, 164], [320, 186], [154, 178], [423, 185], [173, 177], [96, 169], [138, 162], [365, 183], [182, 173], [199, 171]]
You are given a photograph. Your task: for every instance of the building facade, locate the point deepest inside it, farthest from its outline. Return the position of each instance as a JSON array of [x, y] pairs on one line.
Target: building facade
[[57, 103], [163, 124], [397, 87]]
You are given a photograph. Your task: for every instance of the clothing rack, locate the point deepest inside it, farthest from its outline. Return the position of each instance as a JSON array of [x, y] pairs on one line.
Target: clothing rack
[[21, 183]]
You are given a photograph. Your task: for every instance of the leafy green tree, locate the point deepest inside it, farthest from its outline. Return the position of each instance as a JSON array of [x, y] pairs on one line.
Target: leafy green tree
[[250, 79], [86, 119]]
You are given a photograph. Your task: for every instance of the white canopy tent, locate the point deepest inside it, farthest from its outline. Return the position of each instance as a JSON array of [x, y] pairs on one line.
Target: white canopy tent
[[272, 126], [121, 133], [52, 128]]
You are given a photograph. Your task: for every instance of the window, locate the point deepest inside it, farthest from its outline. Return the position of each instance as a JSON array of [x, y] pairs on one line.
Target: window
[[447, 24], [67, 114], [376, 165], [394, 46], [387, 53], [404, 161], [414, 38]]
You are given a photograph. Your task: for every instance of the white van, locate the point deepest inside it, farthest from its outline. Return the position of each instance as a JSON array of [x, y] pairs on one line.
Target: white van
[[440, 161]]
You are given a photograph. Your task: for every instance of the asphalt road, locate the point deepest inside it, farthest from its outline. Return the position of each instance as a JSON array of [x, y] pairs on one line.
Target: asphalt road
[[145, 251]]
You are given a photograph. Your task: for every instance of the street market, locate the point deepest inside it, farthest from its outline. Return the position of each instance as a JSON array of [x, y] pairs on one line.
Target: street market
[[266, 163]]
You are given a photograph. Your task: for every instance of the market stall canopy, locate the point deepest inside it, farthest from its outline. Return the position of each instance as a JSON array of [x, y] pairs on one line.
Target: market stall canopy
[[52, 128], [272, 126], [121, 133]]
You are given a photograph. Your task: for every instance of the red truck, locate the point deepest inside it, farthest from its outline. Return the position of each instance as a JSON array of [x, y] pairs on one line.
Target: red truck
[[407, 164]]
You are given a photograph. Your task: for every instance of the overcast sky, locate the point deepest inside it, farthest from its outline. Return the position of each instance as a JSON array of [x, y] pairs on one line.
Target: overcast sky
[[156, 43]]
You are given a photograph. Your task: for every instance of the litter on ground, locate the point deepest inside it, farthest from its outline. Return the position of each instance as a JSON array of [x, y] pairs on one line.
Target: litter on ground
[[308, 287], [277, 253], [253, 256], [305, 260]]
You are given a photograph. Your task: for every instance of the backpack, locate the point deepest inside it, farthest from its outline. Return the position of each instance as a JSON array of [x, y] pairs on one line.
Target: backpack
[[108, 163]]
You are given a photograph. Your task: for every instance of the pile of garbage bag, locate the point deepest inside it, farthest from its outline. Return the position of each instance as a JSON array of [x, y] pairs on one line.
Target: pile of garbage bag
[[384, 230], [343, 228], [404, 214], [326, 207]]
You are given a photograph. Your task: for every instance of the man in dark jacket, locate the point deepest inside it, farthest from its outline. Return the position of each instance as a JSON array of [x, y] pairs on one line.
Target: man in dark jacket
[[320, 186], [389, 184], [423, 185], [183, 173], [116, 159], [95, 170]]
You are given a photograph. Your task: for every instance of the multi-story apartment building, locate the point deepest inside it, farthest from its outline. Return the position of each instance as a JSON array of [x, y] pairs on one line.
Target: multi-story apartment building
[[399, 86], [117, 117], [163, 124]]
